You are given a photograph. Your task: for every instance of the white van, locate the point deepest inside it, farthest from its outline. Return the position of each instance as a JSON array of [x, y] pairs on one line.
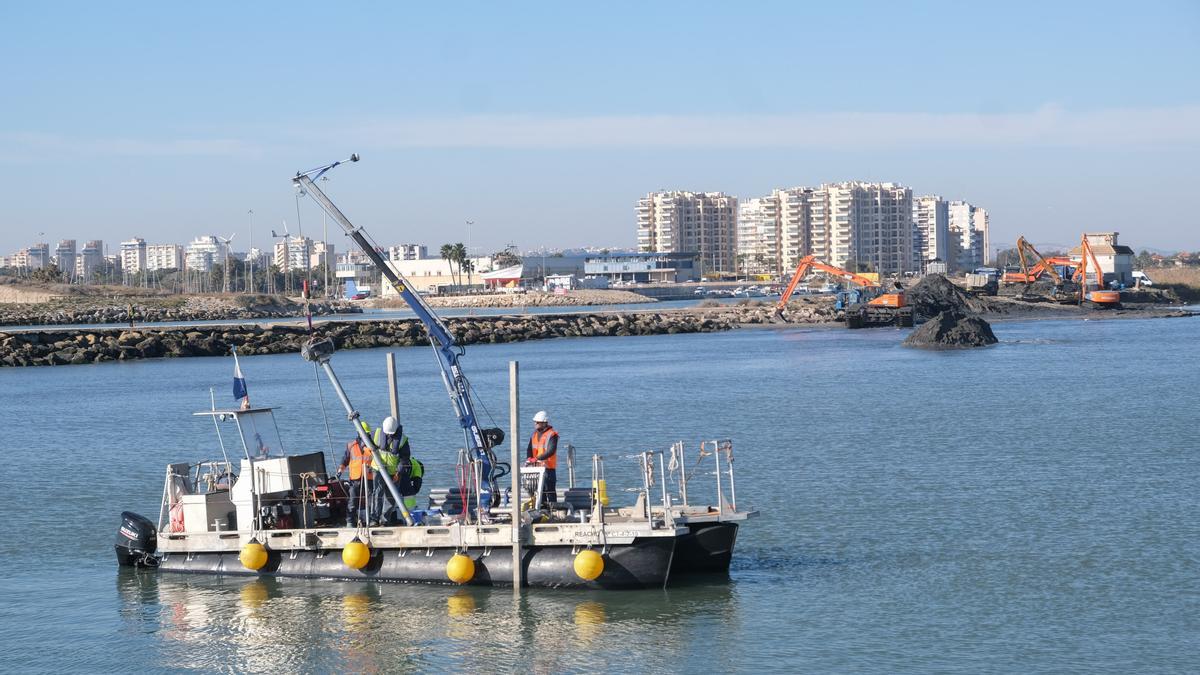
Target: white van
[[1140, 278]]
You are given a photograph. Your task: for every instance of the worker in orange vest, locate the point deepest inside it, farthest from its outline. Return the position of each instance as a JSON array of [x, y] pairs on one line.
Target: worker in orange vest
[[358, 460], [543, 451]]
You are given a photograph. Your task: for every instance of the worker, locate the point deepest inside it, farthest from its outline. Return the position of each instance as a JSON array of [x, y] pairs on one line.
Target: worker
[[358, 459], [543, 451], [395, 457]]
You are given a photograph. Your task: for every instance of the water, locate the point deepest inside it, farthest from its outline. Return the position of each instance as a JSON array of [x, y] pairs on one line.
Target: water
[[1029, 507]]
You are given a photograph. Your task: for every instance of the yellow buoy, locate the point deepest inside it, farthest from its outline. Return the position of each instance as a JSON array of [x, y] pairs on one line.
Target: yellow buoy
[[356, 555], [253, 556], [460, 568], [589, 564]]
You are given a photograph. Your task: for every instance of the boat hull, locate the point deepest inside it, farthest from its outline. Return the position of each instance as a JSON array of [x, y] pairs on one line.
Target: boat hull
[[707, 548], [645, 563]]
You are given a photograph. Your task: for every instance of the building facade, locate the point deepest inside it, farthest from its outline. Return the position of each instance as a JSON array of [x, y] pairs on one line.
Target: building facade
[[704, 223], [204, 252], [931, 230], [759, 237], [66, 256], [408, 252], [164, 257], [90, 260], [969, 242], [644, 267], [292, 253], [133, 256]]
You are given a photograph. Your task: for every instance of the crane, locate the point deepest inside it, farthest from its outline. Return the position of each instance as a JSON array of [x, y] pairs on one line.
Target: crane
[[809, 263], [1043, 265], [479, 442]]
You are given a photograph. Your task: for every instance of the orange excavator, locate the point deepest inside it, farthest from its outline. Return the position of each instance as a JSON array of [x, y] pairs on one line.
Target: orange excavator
[[879, 309], [1043, 266], [1100, 297]]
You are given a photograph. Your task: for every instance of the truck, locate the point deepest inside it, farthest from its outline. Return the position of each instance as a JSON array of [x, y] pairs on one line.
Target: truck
[[982, 284]]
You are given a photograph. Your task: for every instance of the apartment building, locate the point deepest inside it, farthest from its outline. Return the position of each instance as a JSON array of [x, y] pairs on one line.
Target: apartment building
[[968, 235], [66, 256], [408, 252], [931, 230], [164, 257], [292, 253], [704, 223], [204, 252], [133, 255], [759, 237], [90, 260]]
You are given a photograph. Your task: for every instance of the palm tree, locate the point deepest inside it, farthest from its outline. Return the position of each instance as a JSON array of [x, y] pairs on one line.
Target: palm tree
[[460, 257], [447, 253]]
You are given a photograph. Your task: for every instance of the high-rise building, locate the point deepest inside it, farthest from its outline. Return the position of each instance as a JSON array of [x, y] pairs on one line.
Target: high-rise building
[[292, 253], [969, 240], [204, 252], [759, 237], [407, 252], [67, 258], [164, 257], [704, 223], [90, 260], [320, 254], [931, 230], [37, 256], [850, 225], [133, 255]]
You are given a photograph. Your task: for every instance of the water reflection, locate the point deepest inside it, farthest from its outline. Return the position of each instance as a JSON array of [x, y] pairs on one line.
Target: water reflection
[[272, 624]]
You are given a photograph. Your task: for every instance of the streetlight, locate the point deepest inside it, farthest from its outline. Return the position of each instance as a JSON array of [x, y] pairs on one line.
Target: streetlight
[[325, 242], [250, 287]]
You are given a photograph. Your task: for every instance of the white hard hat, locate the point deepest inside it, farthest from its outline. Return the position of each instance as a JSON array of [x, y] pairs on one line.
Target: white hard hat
[[390, 425], [541, 416]]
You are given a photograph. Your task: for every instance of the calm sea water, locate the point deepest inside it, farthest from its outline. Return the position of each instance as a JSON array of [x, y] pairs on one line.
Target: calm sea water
[[1030, 507]]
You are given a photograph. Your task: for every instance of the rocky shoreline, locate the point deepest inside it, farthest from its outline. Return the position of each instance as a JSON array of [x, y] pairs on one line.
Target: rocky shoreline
[[62, 347], [239, 308]]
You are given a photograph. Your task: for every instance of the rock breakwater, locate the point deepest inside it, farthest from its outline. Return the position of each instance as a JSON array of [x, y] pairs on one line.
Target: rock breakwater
[[153, 311], [62, 347]]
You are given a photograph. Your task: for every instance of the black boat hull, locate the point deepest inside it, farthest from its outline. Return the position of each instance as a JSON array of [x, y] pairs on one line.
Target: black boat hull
[[707, 548], [646, 563]]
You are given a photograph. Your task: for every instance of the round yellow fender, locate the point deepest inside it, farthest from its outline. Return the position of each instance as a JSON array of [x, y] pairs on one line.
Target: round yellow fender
[[460, 568], [253, 556], [356, 555], [589, 564]]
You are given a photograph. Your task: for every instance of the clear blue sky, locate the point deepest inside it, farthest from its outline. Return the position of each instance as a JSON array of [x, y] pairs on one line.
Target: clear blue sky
[[543, 123]]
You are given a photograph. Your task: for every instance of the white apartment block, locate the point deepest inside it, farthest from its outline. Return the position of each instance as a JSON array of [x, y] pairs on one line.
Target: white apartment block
[[322, 251], [861, 225], [969, 241], [292, 253], [759, 237], [931, 230], [704, 223], [407, 252], [164, 257], [204, 252], [133, 255]]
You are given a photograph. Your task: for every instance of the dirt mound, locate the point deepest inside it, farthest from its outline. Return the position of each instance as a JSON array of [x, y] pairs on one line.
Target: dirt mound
[[935, 293], [952, 330]]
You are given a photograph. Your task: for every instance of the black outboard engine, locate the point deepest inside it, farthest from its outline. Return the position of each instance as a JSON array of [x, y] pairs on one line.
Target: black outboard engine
[[136, 541]]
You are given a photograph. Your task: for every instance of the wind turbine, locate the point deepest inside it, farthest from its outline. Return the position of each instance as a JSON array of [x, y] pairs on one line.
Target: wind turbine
[[227, 241]]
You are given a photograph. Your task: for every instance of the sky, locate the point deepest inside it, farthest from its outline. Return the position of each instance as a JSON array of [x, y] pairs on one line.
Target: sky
[[542, 123]]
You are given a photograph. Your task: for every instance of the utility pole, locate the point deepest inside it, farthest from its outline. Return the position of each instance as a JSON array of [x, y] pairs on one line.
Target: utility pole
[[250, 287]]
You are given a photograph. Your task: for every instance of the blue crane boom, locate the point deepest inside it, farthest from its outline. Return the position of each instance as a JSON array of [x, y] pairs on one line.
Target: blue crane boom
[[443, 341]]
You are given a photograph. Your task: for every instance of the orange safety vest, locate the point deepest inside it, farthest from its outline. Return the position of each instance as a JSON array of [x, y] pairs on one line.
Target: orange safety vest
[[359, 457], [539, 442]]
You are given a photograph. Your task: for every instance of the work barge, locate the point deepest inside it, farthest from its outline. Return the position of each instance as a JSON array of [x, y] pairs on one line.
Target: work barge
[[271, 513]]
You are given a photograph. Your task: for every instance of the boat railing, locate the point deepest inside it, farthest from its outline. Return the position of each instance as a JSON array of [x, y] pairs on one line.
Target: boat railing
[[721, 451]]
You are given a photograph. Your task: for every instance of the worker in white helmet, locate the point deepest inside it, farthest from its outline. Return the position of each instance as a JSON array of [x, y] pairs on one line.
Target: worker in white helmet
[[543, 451], [395, 458]]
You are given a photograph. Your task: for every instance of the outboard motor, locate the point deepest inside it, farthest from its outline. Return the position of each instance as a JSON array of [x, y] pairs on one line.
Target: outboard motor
[[137, 539]]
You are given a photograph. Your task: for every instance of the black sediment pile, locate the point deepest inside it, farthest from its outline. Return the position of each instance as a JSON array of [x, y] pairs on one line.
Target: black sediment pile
[[952, 330], [935, 293]]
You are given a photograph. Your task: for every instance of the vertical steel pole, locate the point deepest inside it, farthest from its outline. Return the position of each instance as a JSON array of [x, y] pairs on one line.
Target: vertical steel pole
[[514, 442], [393, 390]]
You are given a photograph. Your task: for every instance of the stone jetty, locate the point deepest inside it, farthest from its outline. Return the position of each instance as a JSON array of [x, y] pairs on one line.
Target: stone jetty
[[61, 347]]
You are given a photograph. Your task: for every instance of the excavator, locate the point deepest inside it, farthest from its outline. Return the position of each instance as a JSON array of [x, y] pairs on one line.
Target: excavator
[[1044, 266], [1099, 298], [871, 308]]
